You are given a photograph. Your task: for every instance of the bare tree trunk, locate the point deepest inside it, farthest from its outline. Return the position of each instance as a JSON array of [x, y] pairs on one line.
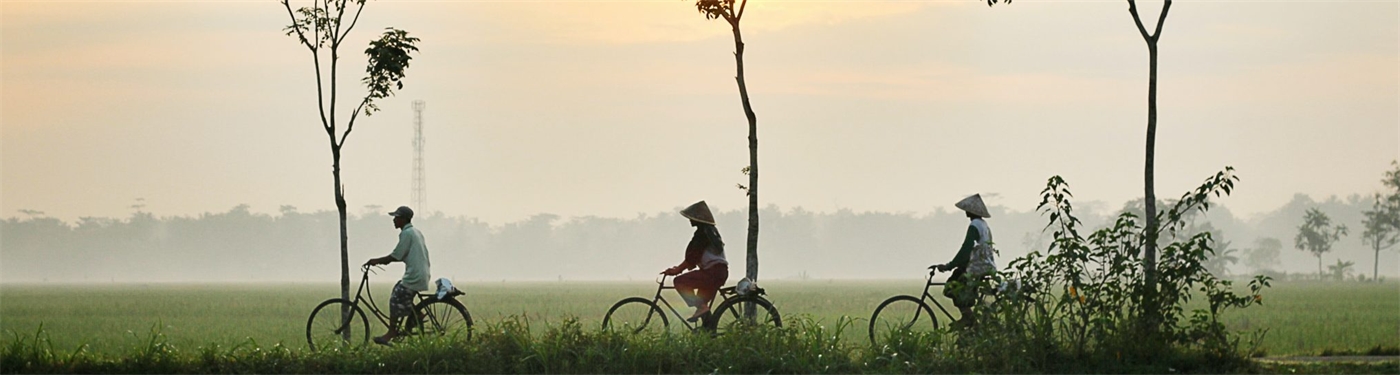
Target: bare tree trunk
[[1151, 305], [1149, 191], [1376, 270], [344, 240], [751, 270]]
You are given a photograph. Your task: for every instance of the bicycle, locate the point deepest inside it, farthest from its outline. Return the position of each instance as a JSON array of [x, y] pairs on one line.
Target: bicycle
[[906, 312], [333, 323], [640, 314]]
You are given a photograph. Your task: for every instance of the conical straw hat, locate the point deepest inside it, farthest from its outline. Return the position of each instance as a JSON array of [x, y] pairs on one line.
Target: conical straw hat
[[699, 212], [974, 205]]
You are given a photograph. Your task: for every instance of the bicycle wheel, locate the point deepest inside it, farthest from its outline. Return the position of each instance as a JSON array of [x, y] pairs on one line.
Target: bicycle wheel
[[636, 315], [440, 317], [336, 324], [730, 315], [900, 315]]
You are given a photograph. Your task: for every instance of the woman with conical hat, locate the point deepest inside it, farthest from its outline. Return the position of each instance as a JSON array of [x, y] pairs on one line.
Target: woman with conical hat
[[705, 251], [961, 286]]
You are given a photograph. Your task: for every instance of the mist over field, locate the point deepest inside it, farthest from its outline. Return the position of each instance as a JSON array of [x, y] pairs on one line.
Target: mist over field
[[240, 245]]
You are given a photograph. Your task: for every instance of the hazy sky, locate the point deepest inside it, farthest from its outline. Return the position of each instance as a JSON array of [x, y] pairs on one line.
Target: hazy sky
[[611, 108]]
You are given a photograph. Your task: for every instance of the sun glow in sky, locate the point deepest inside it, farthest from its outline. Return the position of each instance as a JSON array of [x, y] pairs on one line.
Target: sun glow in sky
[[611, 108]]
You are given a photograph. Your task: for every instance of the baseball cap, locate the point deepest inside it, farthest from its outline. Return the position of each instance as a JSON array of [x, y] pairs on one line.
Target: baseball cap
[[403, 211]]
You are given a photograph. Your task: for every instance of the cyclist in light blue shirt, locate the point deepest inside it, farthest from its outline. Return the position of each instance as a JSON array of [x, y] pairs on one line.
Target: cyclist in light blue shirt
[[413, 252]]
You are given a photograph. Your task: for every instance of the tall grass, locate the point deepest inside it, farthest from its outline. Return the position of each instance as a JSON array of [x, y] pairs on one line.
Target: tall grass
[[508, 346]]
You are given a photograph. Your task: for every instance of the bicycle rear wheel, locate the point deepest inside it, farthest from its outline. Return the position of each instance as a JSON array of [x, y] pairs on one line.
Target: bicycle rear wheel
[[336, 324], [899, 316], [440, 318], [730, 316], [636, 315]]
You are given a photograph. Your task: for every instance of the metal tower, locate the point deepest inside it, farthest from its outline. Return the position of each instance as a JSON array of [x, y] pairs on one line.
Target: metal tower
[[420, 187]]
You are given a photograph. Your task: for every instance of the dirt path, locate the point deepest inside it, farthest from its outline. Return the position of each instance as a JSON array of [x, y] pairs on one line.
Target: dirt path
[[1340, 358]]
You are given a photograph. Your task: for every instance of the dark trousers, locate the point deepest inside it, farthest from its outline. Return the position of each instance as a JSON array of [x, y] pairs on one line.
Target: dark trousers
[[698, 287], [961, 288]]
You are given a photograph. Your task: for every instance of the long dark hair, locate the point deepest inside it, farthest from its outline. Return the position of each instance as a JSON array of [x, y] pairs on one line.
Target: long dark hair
[[712, 235]]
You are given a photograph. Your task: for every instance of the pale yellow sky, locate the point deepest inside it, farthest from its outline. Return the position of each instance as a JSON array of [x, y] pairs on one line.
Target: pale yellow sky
[[611, 108]]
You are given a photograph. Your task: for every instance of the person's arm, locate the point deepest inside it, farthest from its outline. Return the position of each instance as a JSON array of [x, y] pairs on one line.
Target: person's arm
[[692, 255], [381, 260], [400, 251], [965, 252]]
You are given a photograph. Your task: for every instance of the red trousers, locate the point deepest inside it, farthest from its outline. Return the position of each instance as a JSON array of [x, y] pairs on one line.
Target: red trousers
[[698, 287]]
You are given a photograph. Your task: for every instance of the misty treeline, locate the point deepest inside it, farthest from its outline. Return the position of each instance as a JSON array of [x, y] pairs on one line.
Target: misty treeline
[[245, 246]]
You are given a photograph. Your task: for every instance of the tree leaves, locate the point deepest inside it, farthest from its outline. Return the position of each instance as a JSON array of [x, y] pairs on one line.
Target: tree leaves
[[388, 59]]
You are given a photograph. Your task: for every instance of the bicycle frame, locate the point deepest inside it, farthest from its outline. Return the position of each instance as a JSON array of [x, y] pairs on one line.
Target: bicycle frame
[[363, 294], [926, 297], [722, 295]]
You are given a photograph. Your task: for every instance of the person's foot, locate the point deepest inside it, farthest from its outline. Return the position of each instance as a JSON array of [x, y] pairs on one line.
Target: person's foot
[[385, 340], [699, 313]]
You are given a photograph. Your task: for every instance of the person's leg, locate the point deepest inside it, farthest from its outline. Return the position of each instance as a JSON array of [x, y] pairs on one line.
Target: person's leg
[[686, 285], [962, 294], [710, 281], [400, 306], [714, 279]]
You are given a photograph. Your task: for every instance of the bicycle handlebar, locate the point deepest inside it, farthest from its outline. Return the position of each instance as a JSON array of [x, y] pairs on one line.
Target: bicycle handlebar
[[933, 270]]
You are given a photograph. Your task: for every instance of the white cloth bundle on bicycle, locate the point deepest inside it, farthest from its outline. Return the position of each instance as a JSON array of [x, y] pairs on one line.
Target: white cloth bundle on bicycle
[[444, 287]]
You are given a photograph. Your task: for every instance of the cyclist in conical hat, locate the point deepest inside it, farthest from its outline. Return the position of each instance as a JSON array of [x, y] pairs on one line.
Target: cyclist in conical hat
[[706, 251], [961, 287]]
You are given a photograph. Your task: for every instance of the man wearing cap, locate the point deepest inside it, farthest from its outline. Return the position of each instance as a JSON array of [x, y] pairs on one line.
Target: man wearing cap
[[706, 251], [961, 286], [413, 252]]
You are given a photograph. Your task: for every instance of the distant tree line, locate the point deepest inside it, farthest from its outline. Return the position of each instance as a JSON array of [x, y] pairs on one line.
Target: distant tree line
[[291, 246]]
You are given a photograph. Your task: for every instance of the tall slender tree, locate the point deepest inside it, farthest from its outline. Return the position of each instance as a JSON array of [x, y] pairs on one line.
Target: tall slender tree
[[1382, 221], [322, 28], [724, 9], [1317, 235], [1150, 197]]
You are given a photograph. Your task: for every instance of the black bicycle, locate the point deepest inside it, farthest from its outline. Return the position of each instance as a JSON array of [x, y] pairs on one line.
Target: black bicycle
[[639, 314], [341, 323], [907, 313]]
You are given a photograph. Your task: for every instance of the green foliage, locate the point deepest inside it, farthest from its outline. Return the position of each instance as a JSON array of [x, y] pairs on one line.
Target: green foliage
[[715, 9], [1341, 270], [1317, 235], [1382, 221], [1087, 298], [388, 59]]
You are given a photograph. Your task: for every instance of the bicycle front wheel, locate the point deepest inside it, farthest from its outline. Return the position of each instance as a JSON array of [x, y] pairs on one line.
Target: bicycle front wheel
[[636, 315], [731, 316], [900, 315], [441, 318], [336, 324]]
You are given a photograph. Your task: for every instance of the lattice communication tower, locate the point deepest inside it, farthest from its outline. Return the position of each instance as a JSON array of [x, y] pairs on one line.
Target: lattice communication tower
[[420, 186]]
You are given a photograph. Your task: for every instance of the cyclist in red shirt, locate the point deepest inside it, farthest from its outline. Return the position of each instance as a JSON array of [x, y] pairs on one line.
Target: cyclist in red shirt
[[706, 251]]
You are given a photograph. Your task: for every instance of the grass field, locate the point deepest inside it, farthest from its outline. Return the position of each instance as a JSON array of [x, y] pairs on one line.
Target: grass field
[[1301, 318]]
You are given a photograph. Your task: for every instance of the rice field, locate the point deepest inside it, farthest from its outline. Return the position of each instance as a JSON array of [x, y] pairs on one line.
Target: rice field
[[1301, 318]]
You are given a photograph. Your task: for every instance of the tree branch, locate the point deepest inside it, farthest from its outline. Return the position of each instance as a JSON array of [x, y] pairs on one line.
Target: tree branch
[[339, 15], [350, 125], [1132, 8], [316, 61], [356, 19], [742, 4], [1161, 20], [297, 27]]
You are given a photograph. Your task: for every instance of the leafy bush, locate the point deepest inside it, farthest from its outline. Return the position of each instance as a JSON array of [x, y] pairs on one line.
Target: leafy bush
[[1088, 298]]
